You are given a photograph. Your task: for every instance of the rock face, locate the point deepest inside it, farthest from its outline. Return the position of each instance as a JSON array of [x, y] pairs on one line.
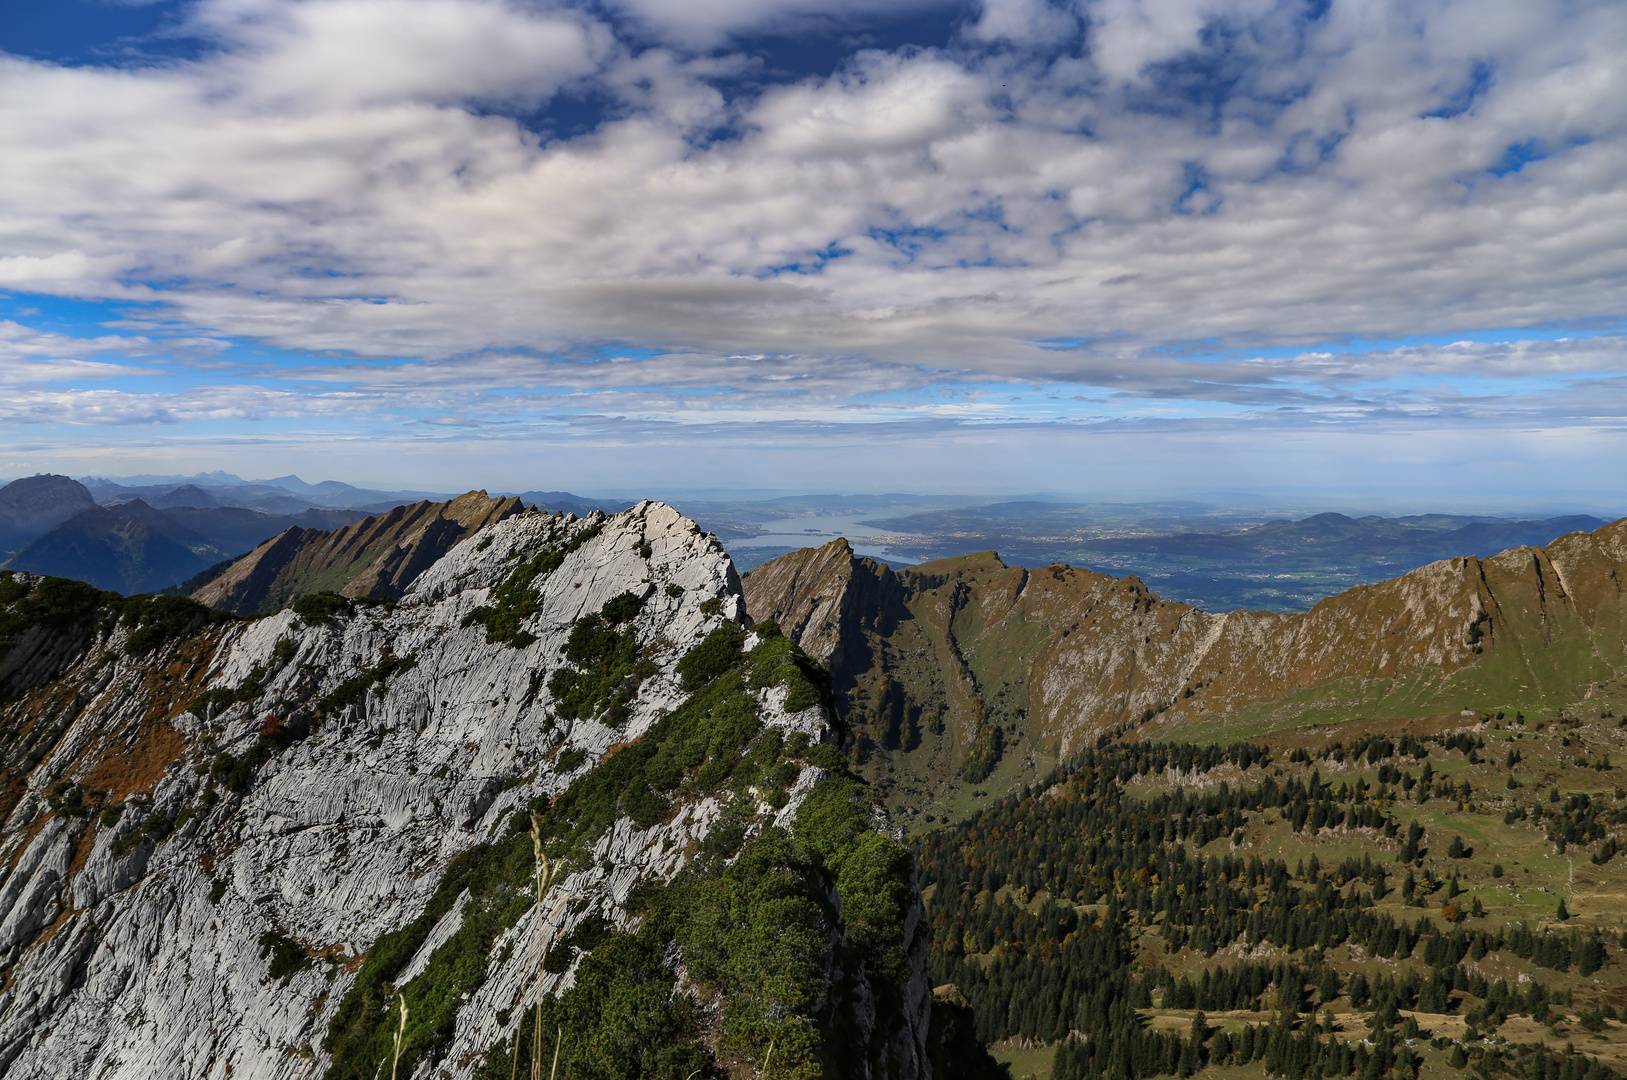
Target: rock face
[[229, 850], [966, 648], [830, 601], [377, 556], [35, 505]]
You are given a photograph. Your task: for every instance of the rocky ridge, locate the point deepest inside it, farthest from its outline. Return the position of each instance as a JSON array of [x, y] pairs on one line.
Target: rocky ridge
[[229, 853], [377, 556], [961, 656]]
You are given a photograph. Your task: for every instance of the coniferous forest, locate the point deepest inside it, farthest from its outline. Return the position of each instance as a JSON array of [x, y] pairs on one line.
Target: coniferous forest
[[1301, 911]]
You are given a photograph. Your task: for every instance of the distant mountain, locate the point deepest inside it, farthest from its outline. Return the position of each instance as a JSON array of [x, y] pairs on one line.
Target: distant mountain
[[339, 494], [217, 478], [237, 531], [34, 505], [131, 548], [188, 495], [377, 556], [289, 483], [284, 495], [134, 547], [1274, 566]]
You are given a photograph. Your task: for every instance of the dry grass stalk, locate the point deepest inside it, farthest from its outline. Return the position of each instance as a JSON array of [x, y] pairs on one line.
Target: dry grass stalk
[[544, 878], [400, 1032]]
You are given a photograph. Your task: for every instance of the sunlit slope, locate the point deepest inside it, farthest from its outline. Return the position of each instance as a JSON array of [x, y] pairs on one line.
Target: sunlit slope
[[968, 668]]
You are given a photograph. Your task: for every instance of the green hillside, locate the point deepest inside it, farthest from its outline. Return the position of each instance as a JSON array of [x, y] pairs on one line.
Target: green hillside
[[1398, 899]]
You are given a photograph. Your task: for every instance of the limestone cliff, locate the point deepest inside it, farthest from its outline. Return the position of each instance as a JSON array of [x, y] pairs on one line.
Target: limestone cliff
[[263, 848], [829, 601], [378, 556], [975, 656]]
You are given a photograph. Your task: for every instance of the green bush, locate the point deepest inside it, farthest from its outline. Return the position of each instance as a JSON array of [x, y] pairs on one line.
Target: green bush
[[209, 700], [321, 606], [609, 667], [53, 603], [286, 955], [717, 653], [156, 825], [12, 590], [158, 619], [778, 661], [519, 597], [984, 754], [622, 608], [355, 688], [67, 799]]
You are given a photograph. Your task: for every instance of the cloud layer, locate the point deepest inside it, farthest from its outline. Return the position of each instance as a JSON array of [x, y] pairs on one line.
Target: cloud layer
[[1147, 201]]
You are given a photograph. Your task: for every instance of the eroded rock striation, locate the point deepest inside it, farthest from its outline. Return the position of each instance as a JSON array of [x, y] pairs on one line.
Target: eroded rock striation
[[245, 847], [378, 556]]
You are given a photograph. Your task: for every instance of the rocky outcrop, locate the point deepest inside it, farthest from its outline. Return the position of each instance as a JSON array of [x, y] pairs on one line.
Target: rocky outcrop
[[35, 505], [378, 556], [829, 600], [233, 852], [1058, 655]]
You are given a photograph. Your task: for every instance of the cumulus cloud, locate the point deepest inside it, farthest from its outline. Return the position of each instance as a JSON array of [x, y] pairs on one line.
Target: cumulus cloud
[[1094, 193], [329, 53]]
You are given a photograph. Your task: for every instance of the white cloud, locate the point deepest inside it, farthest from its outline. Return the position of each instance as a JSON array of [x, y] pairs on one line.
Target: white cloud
[[334, 180], [325, 52], [1033, 22]]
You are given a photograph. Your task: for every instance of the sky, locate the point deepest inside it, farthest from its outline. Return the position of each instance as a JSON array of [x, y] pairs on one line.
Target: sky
[[1350, 248]]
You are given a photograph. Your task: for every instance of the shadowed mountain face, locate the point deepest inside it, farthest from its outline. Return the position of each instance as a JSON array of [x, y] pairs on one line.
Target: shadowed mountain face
[[968, 671], [35, 505], [134, 547], [377, 556], [131, 548]]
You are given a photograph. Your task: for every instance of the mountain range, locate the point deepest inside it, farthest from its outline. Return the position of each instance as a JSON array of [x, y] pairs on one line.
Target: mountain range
[[1276, 565], [968, 673], [154, 537], [556, 808], [495, 771]]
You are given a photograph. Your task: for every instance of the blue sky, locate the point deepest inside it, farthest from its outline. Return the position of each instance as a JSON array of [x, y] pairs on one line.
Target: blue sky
[[1369, 249]]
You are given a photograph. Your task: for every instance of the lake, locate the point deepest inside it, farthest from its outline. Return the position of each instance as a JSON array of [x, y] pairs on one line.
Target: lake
[[799, 532]]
